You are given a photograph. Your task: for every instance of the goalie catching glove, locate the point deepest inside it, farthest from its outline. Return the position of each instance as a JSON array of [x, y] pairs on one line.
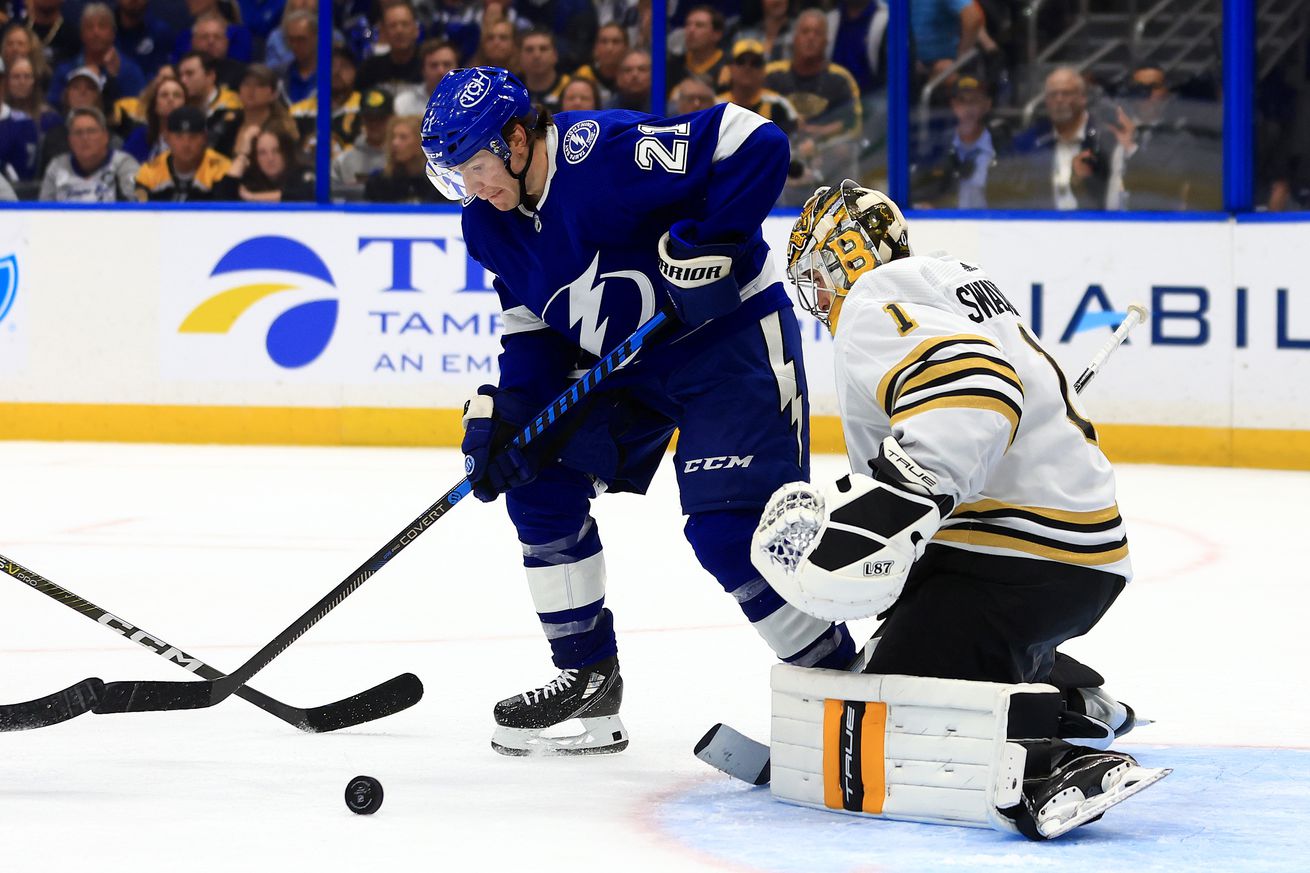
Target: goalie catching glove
[[843, 551]]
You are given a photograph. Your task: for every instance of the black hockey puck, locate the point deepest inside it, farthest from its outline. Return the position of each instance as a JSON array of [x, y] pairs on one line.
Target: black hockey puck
[[363, 795]]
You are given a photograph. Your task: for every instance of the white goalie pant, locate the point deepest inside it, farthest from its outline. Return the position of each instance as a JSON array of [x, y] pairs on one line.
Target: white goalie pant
[[904, 747]]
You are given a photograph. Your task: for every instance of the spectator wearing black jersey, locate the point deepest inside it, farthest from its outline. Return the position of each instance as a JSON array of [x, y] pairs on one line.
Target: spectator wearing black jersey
[[746, 87], [189, 170], [611, 45], [400, 65], [198, 74], [538, 60], [704, 56], [827, 103]]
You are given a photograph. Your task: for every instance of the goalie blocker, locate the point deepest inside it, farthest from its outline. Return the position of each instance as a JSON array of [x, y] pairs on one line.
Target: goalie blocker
[[943, 751]]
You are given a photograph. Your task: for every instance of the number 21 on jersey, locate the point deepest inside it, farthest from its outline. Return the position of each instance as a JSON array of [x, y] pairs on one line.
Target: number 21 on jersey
[[651, 151]]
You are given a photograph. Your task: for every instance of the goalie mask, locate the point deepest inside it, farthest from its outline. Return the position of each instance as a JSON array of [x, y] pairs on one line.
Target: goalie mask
[[843, 233]]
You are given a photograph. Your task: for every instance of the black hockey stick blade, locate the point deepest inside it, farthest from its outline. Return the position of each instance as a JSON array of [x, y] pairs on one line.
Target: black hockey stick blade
[[394, 695], [386, 699], [390, 697], [735, 754], [153, 696], [53, 708]]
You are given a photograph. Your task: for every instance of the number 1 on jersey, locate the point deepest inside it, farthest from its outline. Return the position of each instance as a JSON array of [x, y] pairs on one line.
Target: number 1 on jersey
[[904, 324], [650, 151]]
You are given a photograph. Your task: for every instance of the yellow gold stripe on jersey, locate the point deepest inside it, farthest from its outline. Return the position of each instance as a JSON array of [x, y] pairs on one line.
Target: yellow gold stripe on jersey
[[1032, 545], [889, 385], [946, 370], [973, 398], [1093, 537], [1065, 519]]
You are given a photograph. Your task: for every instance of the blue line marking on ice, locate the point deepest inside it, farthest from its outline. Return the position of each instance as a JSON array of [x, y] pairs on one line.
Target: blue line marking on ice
[[1221, 809]]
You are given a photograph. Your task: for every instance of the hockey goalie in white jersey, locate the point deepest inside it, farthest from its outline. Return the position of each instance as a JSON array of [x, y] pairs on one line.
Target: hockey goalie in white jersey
[[979, 521]]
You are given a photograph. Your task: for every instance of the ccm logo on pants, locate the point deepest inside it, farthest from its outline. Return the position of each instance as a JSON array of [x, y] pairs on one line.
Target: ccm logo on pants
[[725, 462]]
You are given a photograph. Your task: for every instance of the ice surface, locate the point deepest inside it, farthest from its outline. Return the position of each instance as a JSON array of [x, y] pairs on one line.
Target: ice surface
[[216, 549]]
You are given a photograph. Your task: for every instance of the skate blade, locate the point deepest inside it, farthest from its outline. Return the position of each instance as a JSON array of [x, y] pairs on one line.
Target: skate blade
[[1082, 811], [599, 736]]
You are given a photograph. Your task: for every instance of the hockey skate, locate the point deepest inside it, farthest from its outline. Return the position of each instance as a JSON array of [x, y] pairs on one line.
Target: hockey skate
[[1080, 791], [534, 722]]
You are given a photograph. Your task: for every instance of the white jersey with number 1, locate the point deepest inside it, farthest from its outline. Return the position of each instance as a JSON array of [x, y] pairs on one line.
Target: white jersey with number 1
[[930, 351]]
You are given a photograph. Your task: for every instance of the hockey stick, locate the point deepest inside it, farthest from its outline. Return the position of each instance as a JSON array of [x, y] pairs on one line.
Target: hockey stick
[[1136, 315], [145, 696], [53, 708], [732, 752], [390, 697]]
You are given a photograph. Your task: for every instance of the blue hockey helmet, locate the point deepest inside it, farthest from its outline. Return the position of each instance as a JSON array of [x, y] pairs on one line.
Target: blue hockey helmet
[[467, 113]]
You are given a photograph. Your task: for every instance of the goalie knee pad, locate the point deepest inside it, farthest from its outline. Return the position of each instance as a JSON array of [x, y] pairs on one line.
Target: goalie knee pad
[[945, 751]]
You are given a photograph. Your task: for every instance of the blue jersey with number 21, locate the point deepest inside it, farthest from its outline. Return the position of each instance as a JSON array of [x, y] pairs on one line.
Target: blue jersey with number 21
[[581, 273]]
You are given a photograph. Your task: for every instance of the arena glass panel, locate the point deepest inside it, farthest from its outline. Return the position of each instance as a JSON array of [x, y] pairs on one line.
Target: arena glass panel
[[1281, 169], [1091, 106]]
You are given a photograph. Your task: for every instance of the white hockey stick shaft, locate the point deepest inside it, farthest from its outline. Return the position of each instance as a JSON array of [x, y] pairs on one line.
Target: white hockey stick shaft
[[1136, 315]]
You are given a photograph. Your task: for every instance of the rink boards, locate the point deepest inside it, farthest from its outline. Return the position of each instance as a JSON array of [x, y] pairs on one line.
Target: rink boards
[[359, 327]]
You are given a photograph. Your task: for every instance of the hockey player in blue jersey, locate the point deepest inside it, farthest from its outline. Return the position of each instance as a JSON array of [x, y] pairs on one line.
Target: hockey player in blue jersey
[[591, 221]]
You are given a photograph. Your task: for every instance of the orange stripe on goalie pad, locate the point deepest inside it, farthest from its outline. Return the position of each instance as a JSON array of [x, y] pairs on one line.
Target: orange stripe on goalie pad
[[873, 758], [832, 716]]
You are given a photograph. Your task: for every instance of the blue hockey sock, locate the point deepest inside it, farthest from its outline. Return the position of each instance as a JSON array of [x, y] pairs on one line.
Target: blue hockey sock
[[721, 540]]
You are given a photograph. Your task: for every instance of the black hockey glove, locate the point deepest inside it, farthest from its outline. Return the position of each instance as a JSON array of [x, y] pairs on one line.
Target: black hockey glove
[[491, 418]]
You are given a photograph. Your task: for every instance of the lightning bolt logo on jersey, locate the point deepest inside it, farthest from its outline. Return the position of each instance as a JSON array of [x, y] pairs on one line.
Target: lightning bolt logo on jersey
[[585, 295], [616, 181]]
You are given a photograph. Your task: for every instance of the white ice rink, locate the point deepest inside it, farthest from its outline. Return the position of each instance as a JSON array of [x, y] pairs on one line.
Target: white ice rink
[[216, 549]]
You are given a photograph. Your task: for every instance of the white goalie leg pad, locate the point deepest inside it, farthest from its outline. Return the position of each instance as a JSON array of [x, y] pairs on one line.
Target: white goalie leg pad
[[842, 550], [908, 748]]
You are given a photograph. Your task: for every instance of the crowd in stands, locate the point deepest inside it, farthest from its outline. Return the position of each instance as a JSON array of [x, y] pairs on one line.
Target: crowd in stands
[[141, 101], [217, 99]]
